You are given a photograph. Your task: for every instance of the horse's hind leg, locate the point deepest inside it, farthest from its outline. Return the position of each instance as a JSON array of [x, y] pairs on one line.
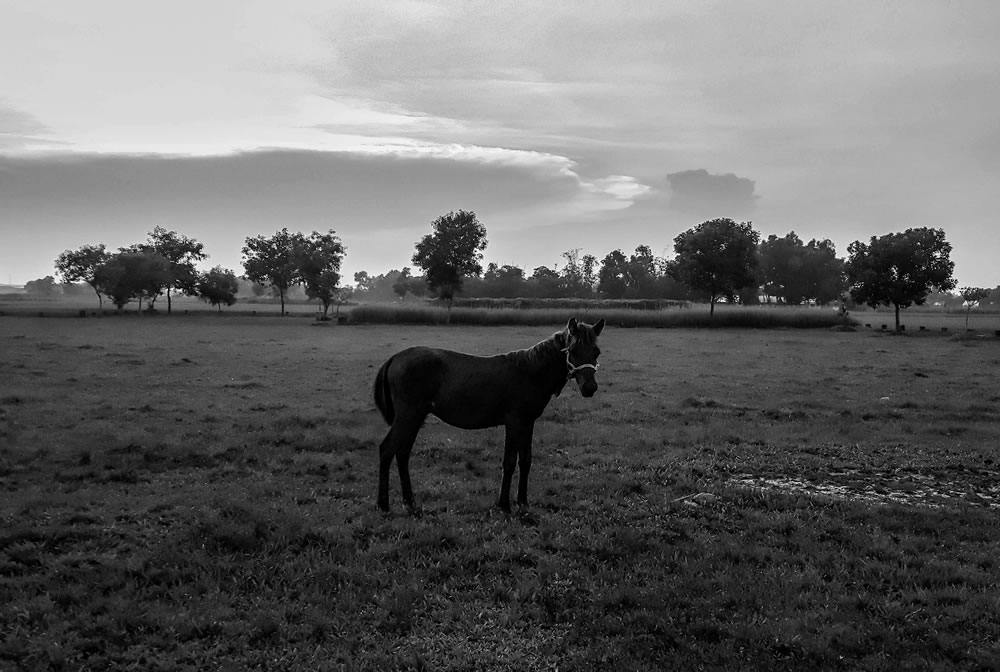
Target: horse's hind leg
[[397, 444], [386, 451]]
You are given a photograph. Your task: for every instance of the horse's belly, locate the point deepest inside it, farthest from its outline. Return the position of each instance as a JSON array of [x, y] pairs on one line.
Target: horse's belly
[[466, 416]]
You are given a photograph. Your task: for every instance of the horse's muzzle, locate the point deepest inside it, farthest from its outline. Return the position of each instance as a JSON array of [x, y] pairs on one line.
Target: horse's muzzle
[[587, 385]]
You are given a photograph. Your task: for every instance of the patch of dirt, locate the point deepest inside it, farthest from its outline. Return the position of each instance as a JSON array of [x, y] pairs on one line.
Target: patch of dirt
[[909, 488]]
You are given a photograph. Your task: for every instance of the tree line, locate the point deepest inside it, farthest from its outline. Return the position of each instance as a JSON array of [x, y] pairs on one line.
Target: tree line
[[165, 265], [717, 260]]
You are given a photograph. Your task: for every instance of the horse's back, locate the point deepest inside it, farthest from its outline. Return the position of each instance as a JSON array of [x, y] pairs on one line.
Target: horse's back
[[464, 390]]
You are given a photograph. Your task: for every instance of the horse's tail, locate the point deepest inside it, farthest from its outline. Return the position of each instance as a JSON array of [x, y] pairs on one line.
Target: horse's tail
[[383, 397]]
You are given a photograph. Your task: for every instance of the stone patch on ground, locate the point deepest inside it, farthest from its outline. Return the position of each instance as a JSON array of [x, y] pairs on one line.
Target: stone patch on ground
[[913, 489]]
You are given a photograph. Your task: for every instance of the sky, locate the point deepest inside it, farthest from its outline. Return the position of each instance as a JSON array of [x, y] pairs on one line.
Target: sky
[[563, 124]]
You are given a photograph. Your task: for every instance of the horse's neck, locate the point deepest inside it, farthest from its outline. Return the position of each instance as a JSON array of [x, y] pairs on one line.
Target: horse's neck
[[542, 355], [546, 360]]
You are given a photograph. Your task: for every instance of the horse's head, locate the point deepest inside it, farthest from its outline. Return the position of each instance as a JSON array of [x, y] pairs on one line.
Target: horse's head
[[582, 353]]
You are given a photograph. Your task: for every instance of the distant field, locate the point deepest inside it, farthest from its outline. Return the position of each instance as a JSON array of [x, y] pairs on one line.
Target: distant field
[[70, 305], [912, 319], [192, 493], [934, 320]]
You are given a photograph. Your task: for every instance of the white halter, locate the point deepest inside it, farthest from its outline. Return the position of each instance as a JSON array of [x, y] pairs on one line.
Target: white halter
[[571, 370]]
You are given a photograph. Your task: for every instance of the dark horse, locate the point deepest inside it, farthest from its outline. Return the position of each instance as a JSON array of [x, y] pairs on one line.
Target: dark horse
[[477, 392]]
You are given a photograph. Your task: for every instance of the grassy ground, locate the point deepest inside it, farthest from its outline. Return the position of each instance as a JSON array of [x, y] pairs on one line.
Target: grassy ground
[[198, 493]]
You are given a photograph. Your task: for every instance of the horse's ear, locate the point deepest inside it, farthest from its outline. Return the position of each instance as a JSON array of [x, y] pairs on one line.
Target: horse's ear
[[599, 327], [571, 325]]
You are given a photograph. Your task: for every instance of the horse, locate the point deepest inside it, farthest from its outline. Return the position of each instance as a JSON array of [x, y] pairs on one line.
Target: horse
[[472, 392]]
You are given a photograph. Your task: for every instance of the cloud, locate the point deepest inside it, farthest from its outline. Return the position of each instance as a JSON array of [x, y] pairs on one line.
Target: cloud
[[700, 192], [18, 129], [379, 204]]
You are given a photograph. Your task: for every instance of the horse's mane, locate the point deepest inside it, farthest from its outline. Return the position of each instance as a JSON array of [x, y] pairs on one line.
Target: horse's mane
[[538, 355]]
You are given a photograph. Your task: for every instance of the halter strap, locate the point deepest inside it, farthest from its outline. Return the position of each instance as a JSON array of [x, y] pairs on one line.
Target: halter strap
[[571, 369]]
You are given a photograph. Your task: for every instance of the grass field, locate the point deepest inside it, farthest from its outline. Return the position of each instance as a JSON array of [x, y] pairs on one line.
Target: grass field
[[696, 315], [198, 493]]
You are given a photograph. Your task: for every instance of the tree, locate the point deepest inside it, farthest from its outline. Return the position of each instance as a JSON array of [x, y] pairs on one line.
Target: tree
[[218, 286], [181, 252], [82, 264], [781, 264], [899, 269], [993, 299], [41, 287], [453, 250], [377, 287], [612, 279], [319, 266], [794, 272], [718, 257], [364, 282], [402, 284], [133, 275], [972, 295], [823, 274], [544, 282], [505, 281], [588, 267], [274, 261], [641, 272], [406, 283], [572, 275]]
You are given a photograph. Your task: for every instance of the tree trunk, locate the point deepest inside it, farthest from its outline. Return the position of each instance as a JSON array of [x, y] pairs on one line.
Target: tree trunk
[[281, 294], [711, 307], [168, 301], [897, 317]]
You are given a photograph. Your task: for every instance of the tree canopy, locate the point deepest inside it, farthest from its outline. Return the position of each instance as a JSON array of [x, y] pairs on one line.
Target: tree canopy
[[274, 261], [133, 274], [218, 286], [972, 296], [320, 256], [717, 257], [82, 264], [41, 287], [180, 252], [795, 272], [450, 252], [899, 269]]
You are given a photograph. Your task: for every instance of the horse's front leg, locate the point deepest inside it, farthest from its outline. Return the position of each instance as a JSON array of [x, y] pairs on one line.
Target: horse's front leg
[[517, 443], [524, 462]]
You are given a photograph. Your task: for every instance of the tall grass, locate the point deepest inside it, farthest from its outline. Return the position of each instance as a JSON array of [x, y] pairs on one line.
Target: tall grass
[[727, 316]]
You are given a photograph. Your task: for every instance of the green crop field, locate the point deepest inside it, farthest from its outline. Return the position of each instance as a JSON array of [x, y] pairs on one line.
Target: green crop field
[[198, 492]]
